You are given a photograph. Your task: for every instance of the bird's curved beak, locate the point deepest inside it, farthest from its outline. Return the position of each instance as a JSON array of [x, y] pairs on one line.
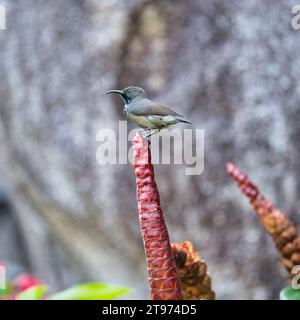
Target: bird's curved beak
[[114, 91]]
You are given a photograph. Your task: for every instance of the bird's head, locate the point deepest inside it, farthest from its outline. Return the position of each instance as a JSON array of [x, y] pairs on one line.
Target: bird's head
[[130, 94]]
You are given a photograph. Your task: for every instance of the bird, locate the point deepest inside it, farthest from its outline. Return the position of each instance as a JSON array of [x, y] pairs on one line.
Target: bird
[[148, 115]]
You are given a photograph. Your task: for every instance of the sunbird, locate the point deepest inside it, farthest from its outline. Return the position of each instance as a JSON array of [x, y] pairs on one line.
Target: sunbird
[[148, 115]]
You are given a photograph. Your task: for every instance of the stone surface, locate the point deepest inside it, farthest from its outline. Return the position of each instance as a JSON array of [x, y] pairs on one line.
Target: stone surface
[[232, 67]]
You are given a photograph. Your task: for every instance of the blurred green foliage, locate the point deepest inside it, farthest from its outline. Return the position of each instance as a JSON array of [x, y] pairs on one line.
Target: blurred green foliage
[[289, 293], [86, 291]]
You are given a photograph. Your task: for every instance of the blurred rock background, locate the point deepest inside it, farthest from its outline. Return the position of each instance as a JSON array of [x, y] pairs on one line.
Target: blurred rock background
[[231, 66]]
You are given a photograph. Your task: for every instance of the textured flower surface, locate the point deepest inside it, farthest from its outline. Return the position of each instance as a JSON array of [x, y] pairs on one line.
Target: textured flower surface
[[162, 275], [192, 270]]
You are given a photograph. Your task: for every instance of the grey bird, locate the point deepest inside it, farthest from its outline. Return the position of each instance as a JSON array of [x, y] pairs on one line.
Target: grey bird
[[146, 113]]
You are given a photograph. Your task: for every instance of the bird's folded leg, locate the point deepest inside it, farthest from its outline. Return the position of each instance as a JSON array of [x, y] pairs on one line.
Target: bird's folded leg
[[141, 131], [144, 132], [152, 133]]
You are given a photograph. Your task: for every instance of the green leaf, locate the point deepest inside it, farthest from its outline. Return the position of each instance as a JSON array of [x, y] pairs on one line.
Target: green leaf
[[7, 291], [91, 291], [289, 294], [4, 292], [32, 293]]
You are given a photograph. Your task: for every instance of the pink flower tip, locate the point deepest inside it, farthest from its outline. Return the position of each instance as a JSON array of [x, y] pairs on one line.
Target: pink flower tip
[[230, 167], [24, 281]]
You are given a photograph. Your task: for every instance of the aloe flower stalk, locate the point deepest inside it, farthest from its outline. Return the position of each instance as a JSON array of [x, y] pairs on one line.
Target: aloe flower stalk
[[162, 275], [275, 222], [192, 270]]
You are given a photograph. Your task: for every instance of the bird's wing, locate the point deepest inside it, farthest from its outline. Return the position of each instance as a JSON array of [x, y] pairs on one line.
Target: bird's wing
[[148, 107]]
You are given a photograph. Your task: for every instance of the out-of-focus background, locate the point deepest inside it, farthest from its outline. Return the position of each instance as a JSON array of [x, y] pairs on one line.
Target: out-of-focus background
[[231, 66]]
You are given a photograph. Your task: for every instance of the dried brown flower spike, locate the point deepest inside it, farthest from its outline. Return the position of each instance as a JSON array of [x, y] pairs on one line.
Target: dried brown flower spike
[[276, 223], [195, 281]]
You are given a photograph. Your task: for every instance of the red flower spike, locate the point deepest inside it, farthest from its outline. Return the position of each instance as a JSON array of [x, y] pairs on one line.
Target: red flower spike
[[162, 275], [276, 223]]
